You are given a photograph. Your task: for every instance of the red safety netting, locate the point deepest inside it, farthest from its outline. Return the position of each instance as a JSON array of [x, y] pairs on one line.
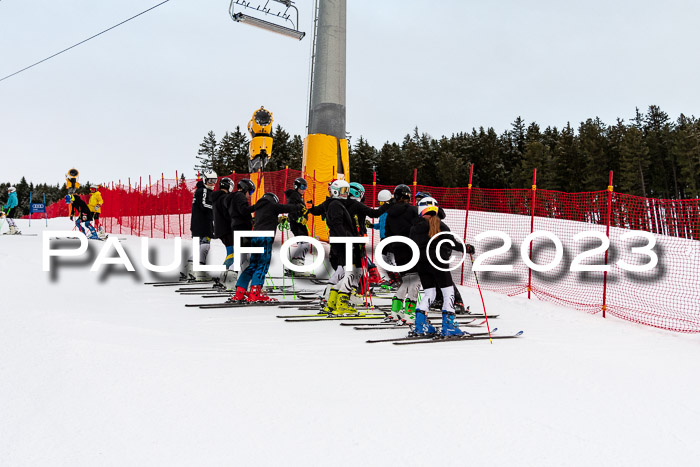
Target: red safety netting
[[667, 296]]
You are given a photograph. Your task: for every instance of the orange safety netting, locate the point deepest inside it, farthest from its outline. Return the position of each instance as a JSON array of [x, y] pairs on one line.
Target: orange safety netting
[[667, 296]]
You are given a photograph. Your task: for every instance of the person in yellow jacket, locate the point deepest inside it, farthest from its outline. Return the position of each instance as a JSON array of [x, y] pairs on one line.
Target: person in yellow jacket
[[95, 205]]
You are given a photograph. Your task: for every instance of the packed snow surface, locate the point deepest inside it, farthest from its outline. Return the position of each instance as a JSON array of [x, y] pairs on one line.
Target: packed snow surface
[[98, 369]]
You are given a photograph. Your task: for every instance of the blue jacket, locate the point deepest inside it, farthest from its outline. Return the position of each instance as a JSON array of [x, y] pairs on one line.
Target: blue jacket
[[11, 201], [381, 226]]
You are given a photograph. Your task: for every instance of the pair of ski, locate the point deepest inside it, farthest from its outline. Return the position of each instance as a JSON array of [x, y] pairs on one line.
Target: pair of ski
[[177, 283], [323, 317], [403, 326], [439, 339], [243, 304]]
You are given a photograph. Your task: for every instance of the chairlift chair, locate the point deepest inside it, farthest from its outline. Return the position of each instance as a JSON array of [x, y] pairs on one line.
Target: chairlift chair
[[240, 17]]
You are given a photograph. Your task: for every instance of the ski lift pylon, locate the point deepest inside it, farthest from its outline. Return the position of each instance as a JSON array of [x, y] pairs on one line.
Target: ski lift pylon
[[240, 17]]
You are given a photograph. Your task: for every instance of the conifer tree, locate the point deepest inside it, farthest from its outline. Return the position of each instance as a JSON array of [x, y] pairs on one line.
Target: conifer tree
[[686, 151], [593, 146], [281, 150], [239, 152], [657, 130], [634, 163], [363, 158], [207, 154]]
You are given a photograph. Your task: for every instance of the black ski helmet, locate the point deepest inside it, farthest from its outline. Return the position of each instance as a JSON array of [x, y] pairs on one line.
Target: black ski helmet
[[247, 186], [272, 197], [226, 184], [422, 194], [300, 184], [402, 192]]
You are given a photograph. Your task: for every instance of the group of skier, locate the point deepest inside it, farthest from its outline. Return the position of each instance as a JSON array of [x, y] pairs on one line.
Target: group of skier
[[398, 217], [85, 213], [81, 212], [221, 213]]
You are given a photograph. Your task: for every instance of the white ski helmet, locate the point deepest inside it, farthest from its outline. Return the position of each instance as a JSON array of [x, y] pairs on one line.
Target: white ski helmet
[[11, 189], [384, 196], [339, 189], [209, 177], [427, 201]]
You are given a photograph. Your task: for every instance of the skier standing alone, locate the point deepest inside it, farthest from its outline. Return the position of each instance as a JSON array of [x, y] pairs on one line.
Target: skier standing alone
[[10, 209]]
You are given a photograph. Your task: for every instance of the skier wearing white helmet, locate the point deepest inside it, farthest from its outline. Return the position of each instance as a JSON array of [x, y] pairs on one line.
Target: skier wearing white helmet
[[340, 214]]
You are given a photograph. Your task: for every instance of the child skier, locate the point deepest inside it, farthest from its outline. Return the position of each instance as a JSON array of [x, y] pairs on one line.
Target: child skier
[[426, 227], [9, 210], [95, 204], [400, 218], [297, 223], [202, 223], [424, 199], [384, 197], [340, 214], [267, 209], [83, 216], [231, 212]]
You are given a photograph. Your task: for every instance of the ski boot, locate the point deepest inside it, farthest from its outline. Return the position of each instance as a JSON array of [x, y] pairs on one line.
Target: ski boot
[[460, 309], [408, 316], [14, 230], [449, 326], [436, 305], [374, 276], [394, 315], [201, 276], [422, 326], [257, 295], [344, 308], [239, 296], [330, 304], [228, 279]]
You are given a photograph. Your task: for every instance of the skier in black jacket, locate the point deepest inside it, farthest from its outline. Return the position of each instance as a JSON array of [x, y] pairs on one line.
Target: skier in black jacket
[[226, 205], [201, 224], [426, 228], [424, 199], [341, 216], [297, 223], [239, 213], [83, 215], [399, 220], [267, 210]]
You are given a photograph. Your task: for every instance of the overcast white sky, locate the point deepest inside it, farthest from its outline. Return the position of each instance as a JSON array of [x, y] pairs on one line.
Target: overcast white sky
[[139, 99]]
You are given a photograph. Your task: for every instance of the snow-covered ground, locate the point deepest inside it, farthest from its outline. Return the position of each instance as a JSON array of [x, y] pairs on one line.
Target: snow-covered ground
[[99, 369]]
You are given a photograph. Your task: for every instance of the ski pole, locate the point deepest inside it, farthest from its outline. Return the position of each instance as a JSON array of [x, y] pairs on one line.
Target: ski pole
[[488, 328]]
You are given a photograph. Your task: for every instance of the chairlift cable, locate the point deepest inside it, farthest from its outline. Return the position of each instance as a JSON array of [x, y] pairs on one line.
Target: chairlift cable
[[82, 42]]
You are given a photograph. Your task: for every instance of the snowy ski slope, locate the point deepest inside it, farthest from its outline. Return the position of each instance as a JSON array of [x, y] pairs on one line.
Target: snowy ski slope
[[99, 369]]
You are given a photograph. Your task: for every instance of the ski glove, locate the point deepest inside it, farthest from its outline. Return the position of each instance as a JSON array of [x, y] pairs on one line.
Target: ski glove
[[470, 249]]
